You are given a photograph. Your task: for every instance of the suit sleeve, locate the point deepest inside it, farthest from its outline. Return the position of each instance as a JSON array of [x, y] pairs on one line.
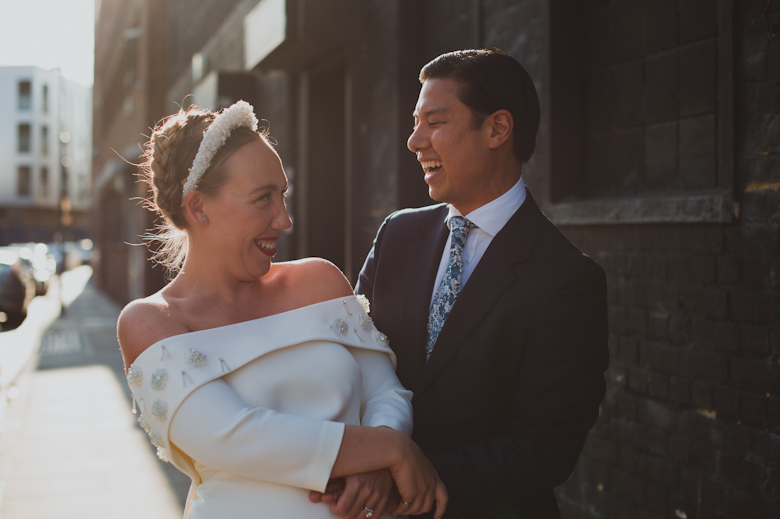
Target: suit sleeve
[[561, 385], [365, 283]]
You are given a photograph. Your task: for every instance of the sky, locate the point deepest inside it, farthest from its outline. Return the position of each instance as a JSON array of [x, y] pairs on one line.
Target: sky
[[50, 34]]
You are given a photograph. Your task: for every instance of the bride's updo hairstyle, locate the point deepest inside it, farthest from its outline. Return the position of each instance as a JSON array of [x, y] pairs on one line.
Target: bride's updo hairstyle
[[168, 169]]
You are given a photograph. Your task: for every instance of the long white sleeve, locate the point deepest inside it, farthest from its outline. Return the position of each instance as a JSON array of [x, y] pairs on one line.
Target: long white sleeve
[[215, 426], [263, 403], [385, 401]]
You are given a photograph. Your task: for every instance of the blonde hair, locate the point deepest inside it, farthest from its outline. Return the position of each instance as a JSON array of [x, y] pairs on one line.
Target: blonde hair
[[168, 156]]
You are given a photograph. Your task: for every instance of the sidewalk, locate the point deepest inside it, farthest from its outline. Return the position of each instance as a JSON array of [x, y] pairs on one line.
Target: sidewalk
[[69, 445]]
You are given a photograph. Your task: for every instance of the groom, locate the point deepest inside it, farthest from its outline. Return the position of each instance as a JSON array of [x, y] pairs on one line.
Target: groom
[[498, 321]]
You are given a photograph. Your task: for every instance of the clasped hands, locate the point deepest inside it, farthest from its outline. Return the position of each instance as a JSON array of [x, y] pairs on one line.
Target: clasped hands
[[352, 496]]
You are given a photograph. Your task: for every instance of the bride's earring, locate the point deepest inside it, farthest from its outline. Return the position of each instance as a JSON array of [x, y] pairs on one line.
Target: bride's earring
[[203, 218]]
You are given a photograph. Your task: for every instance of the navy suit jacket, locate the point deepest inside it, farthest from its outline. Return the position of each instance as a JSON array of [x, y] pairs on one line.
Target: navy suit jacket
[[504, 404]]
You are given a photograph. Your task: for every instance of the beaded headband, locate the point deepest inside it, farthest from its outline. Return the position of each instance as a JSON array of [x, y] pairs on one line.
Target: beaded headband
[[215, 136]]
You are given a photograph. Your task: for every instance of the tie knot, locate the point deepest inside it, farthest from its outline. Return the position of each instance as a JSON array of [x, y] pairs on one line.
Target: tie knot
[[460, 229]]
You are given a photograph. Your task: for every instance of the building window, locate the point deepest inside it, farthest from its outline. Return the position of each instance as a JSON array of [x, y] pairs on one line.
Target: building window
[[45, 98], [23, 181], [642, 109], [44, 140], [651, 122], [44, 184], [24, 138], [25, 95]]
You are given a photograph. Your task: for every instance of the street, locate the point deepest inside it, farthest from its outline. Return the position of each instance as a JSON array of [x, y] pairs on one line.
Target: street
[[69, 445]]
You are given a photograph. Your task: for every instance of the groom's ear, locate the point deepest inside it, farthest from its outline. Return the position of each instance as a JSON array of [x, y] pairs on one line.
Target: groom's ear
[[499, 124]]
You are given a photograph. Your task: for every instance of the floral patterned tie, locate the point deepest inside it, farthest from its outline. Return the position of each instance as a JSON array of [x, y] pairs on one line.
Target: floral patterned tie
[[450, 284]]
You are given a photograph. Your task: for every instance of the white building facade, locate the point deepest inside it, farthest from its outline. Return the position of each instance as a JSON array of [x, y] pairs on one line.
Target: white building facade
[[45, 156]]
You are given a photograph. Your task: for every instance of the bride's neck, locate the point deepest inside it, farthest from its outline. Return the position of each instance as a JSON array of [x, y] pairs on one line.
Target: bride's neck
[[203, 276]]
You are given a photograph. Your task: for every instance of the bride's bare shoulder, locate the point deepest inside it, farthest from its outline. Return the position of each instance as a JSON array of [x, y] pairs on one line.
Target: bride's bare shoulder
[[315, 279], [144, 322]]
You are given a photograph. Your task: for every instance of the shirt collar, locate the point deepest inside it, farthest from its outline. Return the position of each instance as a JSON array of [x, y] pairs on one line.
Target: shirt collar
[[493, 216]]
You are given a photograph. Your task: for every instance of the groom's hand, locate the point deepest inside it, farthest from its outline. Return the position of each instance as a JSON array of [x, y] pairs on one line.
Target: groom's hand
[[332, 492]]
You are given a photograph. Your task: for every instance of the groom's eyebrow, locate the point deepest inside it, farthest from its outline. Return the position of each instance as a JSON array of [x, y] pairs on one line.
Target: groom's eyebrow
[[429, 112]]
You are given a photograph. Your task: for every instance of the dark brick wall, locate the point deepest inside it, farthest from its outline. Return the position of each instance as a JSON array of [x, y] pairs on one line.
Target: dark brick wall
[[694, 373], [448, 26], [381, 117], [758, 102], [520, 30], [691, 422]]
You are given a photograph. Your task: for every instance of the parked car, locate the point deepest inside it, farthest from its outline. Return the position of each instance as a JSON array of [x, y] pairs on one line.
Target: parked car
[[16, 288], [38, 263], [67, 255]]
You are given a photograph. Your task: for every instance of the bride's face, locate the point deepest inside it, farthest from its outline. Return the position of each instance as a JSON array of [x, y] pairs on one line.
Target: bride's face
[[249, 213]]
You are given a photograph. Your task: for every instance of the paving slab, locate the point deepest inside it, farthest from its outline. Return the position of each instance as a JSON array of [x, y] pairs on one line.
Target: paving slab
[[69, 445]]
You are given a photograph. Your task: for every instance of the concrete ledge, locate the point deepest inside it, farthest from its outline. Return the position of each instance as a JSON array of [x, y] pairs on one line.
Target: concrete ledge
[[715, 208]]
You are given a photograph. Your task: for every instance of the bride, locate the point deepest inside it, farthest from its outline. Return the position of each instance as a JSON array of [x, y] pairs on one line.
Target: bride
[[261, 381]]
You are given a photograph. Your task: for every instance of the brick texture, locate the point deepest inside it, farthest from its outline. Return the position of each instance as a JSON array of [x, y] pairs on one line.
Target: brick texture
[[694, 387]]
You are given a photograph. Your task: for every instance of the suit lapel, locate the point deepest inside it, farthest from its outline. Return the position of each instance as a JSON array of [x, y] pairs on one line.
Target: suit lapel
[[491, 278], [422, 262]]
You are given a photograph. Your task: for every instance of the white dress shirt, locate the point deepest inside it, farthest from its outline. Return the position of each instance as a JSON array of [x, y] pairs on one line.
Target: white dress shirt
[[489, 219]]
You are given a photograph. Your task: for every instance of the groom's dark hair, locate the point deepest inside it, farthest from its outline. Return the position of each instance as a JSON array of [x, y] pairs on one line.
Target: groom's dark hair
[[492, 80]]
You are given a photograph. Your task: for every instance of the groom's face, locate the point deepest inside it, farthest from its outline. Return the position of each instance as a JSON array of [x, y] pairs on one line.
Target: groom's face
[[454, 154]]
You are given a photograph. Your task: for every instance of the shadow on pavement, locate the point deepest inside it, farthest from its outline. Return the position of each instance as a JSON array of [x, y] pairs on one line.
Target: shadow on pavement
[[85, 335]]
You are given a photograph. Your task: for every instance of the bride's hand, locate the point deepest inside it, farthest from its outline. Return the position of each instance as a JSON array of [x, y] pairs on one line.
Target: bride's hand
[[367, 490], [418, 483]]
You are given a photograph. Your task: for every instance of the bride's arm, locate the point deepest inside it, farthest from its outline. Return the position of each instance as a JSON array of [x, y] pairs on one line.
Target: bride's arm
[[385, 404], [214, 426], [385, 401]]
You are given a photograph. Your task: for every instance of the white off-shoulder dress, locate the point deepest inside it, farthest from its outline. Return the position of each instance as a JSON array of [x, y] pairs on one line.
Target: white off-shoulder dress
[[254, 412]]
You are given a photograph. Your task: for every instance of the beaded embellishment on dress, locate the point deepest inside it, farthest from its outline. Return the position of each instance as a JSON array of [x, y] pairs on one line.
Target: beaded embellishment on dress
[[159, 379], [363, 300], [195, 358], [366, 322], [160, 410], [135, 376], [340, 327], [382, 339]]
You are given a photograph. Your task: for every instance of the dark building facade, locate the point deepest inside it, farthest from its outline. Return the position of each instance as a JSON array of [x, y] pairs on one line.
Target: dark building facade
[[128, 98], [658, 155]]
